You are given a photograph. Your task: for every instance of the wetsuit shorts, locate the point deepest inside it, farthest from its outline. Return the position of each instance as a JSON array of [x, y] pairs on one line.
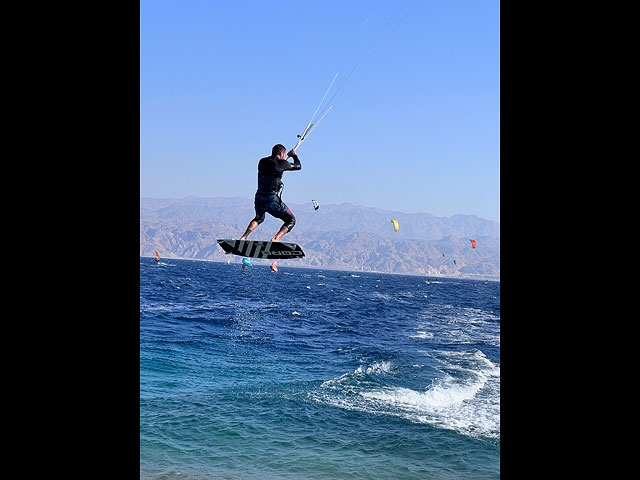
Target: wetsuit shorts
[[274, 205]]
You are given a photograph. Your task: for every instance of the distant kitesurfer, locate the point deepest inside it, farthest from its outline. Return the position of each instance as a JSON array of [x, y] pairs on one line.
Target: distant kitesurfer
[[267, 199]]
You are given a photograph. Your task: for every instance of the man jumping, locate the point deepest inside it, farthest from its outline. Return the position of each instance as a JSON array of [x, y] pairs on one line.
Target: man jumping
[[267, 199]]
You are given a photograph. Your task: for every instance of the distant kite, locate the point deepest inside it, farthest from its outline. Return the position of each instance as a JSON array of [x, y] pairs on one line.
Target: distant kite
[[315, 205], [395, 225], [473, 243]]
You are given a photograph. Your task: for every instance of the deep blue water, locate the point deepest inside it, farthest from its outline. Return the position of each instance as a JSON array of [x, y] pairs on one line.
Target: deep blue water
[[316, 374]]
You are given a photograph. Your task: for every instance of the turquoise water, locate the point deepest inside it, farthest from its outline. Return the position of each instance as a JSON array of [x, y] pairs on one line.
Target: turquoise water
[[316, 374]]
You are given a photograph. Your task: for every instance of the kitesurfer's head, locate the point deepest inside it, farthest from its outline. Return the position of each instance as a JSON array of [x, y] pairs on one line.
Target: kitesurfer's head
[[277, 150]]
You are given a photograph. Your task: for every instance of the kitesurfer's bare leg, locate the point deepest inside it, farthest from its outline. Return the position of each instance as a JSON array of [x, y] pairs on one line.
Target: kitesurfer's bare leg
[[252, 226], [280, 234]]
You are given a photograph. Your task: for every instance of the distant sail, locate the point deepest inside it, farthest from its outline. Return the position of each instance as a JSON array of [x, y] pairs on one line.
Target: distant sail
[[395, 225], [274, 266], [315, 205], [473, 243], [246, 261], [157, 257]]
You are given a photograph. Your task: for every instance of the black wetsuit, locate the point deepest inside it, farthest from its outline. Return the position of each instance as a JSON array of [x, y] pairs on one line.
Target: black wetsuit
[[270, 170]]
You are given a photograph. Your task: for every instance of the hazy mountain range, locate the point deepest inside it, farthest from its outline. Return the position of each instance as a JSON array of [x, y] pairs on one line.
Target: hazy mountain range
[[344, 236]]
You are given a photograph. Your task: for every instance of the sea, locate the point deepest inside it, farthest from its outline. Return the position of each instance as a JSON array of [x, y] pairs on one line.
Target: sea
[[246, 373]]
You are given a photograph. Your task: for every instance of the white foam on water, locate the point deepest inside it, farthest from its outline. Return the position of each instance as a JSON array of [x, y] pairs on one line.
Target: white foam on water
[[383, 296], [433, 398], [467, 402], [421, 334], [465, 399], [376, 368], [168, 308]]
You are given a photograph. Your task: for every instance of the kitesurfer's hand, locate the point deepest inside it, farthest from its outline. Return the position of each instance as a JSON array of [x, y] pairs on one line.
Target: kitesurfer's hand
[[291, 153]]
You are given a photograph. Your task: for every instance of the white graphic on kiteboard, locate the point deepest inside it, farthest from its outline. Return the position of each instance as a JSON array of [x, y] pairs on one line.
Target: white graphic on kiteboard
[[261, 249]]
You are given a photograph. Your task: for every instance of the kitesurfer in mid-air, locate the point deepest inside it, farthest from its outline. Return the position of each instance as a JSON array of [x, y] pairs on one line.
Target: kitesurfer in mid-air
[[267, 199]]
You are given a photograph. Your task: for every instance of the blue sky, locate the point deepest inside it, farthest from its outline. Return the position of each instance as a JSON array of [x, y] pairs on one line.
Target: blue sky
[[415, 128]]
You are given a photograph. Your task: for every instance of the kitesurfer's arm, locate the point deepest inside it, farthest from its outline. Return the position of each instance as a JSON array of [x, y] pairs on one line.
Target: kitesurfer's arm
[[284, 165], [296, 161]]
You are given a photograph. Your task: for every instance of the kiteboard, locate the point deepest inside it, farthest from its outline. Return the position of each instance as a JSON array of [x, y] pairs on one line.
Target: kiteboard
[[261, 249]]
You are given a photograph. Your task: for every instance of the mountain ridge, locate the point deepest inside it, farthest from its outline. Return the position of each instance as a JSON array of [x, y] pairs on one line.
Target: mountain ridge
[[337, 236]]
